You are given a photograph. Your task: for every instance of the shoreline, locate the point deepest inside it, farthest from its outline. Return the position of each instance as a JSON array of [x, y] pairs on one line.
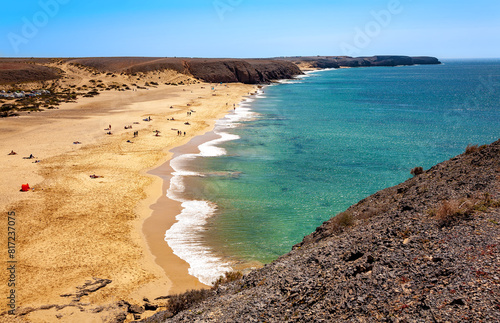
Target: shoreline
[[59, 254], [170, 206], [162, 216]]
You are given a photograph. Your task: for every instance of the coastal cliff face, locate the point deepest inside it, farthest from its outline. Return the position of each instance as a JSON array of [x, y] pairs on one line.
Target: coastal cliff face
[[426, 250], [346, 61], [244, 71]]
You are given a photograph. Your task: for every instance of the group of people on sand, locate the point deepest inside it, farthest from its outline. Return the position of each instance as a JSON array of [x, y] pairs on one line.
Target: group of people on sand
[[12, 153], [180, 133]]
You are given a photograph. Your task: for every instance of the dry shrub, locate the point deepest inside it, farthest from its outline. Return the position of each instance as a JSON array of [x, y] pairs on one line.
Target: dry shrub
[[372, 211], [473, 148], [451, 211], [181, 302], [417, 171], [342, 221], [485, 203], [228, 277]]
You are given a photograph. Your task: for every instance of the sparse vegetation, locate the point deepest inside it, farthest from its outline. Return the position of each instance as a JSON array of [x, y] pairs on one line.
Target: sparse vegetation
[[451, 211], [473, 148], [91, 94], [417, 171], [180, 302], [342, 221], [228, 277]]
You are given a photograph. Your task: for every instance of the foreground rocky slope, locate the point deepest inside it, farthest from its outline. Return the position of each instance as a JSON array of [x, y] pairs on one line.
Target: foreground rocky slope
[[427, 250]]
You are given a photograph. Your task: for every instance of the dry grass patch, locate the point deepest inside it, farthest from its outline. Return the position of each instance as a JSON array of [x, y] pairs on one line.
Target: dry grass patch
[[179, 302], [449, 212], [417, 171], [228, 277], [473, 148], [342, 221]]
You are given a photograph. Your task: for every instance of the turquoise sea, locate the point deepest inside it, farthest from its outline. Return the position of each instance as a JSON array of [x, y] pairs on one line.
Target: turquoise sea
[[302, 151]]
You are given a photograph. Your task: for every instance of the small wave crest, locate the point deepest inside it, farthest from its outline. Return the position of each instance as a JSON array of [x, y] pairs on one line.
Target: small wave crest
[[184, 239]]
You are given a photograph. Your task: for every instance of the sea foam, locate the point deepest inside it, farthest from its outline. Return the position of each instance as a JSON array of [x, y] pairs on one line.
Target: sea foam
[[184, 237]]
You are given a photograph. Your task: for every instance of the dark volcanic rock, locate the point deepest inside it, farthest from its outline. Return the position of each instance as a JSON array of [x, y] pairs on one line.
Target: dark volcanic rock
[[423, 60], [244, 71], [347, 61], [395, 261]]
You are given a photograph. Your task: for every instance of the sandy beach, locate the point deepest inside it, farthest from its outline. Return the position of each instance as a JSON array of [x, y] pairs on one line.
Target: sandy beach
[[72, 229]]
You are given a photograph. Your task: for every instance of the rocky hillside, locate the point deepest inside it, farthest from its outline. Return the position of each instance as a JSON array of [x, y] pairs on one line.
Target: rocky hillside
[[26, 70], [250, 71], [427, 250]]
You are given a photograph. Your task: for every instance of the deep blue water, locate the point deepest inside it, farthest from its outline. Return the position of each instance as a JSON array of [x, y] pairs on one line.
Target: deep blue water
[[321, 144]]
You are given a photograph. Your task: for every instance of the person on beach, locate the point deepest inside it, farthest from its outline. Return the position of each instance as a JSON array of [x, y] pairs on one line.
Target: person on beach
[[12, 152], [184, 134]]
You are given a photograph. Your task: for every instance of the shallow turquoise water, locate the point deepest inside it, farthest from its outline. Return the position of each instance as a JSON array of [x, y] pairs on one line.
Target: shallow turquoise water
[[329, 140]]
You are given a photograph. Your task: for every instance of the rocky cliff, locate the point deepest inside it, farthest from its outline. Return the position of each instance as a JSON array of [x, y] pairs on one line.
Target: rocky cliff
[[244, 71], [346, 61], [427, 250]]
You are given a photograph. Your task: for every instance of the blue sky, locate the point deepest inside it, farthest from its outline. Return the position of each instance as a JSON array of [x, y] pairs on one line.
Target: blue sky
[[250, 28]]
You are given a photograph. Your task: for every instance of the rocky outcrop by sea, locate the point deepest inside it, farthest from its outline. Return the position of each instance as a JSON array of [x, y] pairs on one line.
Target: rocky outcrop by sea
[[347, 61]]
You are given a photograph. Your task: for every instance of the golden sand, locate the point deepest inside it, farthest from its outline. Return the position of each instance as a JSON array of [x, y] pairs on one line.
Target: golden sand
[[73, 228]]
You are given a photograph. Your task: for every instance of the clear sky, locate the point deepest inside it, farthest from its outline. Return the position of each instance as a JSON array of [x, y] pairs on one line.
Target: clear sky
[[249, 28]]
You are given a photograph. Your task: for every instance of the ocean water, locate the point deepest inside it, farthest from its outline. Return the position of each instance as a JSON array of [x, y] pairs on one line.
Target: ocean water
[[302, 151]]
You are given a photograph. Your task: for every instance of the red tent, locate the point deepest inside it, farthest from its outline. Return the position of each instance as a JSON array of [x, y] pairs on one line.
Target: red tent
[[25, 187]]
